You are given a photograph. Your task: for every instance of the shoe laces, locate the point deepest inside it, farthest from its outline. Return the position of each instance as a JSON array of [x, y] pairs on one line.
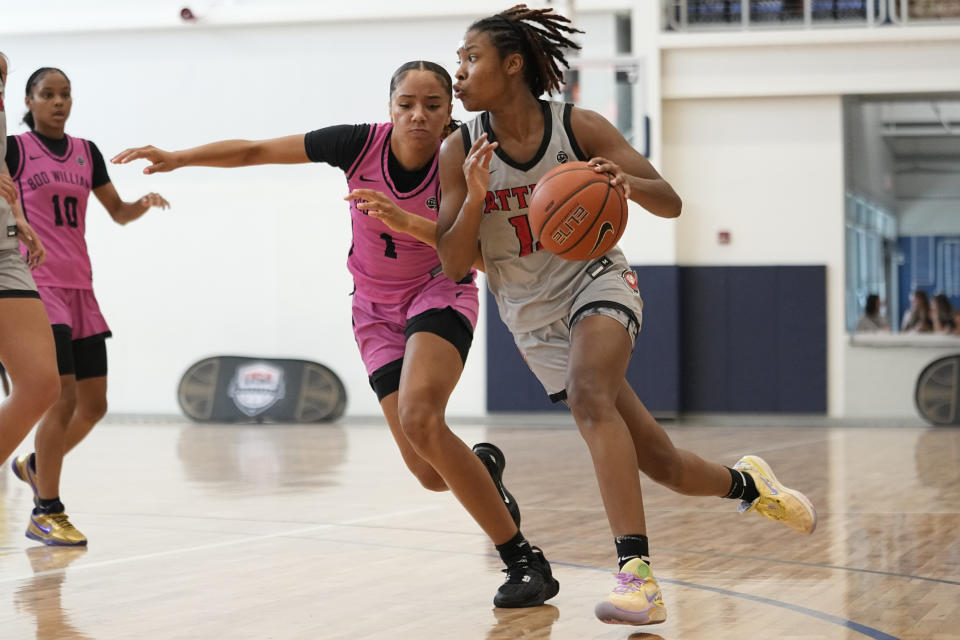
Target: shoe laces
[[629, 583], [62, 521]]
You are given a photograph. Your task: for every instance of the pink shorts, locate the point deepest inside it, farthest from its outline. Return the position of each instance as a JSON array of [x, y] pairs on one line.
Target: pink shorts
[[76, 308], [379, 326]]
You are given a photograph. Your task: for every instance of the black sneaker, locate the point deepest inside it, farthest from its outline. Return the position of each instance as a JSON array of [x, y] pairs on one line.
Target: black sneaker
[[492, 458], [530, 582]]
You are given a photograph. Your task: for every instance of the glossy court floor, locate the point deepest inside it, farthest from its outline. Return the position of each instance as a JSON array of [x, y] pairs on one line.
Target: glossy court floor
[[319, 532]]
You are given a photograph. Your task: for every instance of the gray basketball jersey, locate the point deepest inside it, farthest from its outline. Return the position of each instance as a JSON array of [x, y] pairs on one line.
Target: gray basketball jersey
[[7, 241], [532, 286]]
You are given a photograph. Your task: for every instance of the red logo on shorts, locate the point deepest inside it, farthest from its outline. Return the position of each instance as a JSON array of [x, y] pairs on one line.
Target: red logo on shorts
[[631, 279]]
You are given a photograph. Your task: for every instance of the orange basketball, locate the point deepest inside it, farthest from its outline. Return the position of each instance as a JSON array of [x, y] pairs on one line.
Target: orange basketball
[[576, 213]]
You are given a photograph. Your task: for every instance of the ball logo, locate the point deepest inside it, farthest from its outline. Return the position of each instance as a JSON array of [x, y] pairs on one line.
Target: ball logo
[[432, 203], [81, 161], [562, 156], [256, 387], [630, 277], [572, 221]]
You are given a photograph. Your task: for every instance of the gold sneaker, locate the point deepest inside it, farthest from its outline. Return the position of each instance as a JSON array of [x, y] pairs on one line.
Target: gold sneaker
[[776, 501], [24, 471], [54, 529], [635, 600]]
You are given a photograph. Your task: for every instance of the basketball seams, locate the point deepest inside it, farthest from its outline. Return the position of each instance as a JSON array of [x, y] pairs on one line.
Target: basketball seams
[[549, 217], [597, 219]]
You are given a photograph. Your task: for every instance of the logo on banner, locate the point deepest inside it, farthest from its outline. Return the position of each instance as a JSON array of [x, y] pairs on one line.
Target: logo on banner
[[257, 387]]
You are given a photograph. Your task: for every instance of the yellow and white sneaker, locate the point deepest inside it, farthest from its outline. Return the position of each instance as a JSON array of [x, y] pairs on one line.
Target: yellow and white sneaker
[[24, 471], [776, 501], [635, 600], [54, 529]]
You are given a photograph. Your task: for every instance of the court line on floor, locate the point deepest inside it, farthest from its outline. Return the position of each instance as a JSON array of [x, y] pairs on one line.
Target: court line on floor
[[868, 631], [361, 525], [891, 574], [226, 543], [863, 629]]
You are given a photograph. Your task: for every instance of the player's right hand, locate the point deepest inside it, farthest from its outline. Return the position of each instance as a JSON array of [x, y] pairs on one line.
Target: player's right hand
[[161, 160], [476, 166], [8, 190]]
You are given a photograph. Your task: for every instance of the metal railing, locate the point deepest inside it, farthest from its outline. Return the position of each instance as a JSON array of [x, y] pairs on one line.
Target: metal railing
[[686, 15]]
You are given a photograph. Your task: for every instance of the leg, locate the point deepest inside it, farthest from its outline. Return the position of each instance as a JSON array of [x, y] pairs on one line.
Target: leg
[[420, 468], [600, 349], [426, 382], [28, 353], [49, 441], [91, 406], [677, 469]]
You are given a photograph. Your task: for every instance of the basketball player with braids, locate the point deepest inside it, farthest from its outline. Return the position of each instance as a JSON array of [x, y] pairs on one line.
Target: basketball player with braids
[[414, 326], [26, 342], [574, 322], [55, 174]]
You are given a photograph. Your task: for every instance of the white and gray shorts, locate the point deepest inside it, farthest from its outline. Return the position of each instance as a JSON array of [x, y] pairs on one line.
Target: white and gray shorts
[[546, 350], [15, 278]]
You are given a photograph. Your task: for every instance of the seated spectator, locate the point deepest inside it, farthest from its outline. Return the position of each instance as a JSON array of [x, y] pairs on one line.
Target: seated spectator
[[916, 319], [944, 316], [872, 319]]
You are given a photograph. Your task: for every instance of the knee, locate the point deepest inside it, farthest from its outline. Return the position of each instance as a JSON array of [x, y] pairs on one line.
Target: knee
[[421, 425], [40, 388], [590, 404], [92, 409]]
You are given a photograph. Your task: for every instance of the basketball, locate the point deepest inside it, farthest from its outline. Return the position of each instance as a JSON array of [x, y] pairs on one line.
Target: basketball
[[576, 213]]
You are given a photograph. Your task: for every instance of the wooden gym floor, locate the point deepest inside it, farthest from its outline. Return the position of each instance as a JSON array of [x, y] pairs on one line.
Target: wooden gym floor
[[319, 532]]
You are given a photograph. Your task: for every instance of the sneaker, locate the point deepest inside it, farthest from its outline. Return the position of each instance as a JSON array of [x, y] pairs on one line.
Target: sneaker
[[24, 471], [776, 501], [529, 583], [493, 459], [635, 600], [54, 529]]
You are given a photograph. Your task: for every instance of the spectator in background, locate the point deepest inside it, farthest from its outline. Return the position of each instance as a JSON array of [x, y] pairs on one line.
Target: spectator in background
[[872, 320], [916, 319], [944, 316]]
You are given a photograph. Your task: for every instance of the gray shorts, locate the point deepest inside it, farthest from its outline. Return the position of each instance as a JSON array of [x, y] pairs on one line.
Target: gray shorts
[[15, 278], [547, 350]]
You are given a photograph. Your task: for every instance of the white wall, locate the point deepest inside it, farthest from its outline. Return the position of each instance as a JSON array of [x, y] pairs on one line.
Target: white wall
[[248, 261]]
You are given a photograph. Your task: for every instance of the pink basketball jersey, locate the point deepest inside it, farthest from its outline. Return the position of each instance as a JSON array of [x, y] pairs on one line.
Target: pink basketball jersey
[[388, 266], [54, 191]]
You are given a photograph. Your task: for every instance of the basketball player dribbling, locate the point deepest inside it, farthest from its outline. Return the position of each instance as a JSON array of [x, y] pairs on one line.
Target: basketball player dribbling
[[26, 342], [574, 322], [414, 326], [55, 174]]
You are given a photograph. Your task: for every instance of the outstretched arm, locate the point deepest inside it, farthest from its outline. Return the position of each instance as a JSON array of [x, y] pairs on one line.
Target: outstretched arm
[[612, 154], [463, 182], [225, 153]]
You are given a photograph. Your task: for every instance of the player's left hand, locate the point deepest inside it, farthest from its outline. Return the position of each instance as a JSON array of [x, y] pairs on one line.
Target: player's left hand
[[36, 253], [154, 200], [617, 177], [377, 205]]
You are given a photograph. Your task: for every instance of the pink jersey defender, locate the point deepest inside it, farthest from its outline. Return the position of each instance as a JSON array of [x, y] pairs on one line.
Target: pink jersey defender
[[54, 192]]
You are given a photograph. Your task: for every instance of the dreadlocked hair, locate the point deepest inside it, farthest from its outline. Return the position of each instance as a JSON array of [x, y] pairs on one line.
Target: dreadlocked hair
[[538, 36]]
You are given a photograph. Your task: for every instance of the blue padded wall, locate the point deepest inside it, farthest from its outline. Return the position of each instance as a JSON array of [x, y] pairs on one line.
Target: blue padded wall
[[653, 371], [714, 339], [754, 339]]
